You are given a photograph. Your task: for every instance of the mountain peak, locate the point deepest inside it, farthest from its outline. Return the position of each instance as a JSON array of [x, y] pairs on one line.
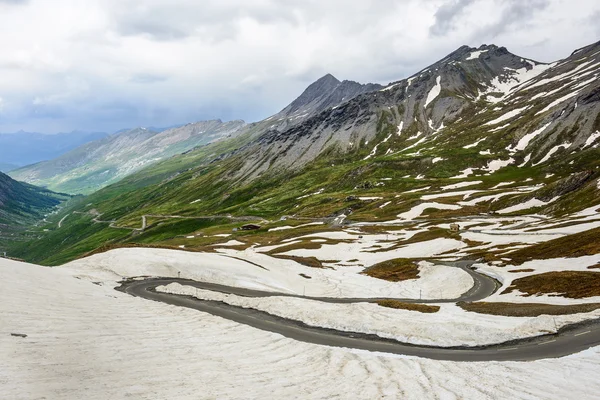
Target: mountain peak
[[325, 92], [327, 78]]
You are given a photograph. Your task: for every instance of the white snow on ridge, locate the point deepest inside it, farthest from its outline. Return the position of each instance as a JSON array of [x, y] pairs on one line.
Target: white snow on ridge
[[475, 54], [415, 136], [464, 173], [311, 194], [418, 190], [385, 89], [418, 210], [461, 185], [552, 151], [524, 142], [495, 165], [591, 139], [385, 204], [435, 91], [499, 128], [465, 193], [516, 78], [470, 146], [503, 184], [283, 228], [525, 160], [491, 197], [526, 205], [558, 101], [374, 151], [568, 74], [400, 126], [415, 144], [508, 115]]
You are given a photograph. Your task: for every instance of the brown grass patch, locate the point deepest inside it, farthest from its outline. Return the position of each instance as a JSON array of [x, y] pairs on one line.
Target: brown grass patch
[[306, 244], [522, 270], [572, 284], [597, 266], [585, 243], [396, 270], [431, 234], [472, 243], [312, 262], [424, 308], [527, 309]]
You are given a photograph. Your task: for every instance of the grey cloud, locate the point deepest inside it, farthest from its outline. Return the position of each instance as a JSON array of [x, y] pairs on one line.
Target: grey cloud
[[446, 16], [163, 62], [212, 22], [519, 12], [148, 78], [156, 30], [593, 22]]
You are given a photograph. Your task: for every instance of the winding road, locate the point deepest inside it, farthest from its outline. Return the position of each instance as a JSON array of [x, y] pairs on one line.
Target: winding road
[[568, 340]]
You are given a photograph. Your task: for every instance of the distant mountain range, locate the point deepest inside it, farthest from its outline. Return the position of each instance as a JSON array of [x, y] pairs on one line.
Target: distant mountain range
[[24, 148], [98, 163], [5, 167]]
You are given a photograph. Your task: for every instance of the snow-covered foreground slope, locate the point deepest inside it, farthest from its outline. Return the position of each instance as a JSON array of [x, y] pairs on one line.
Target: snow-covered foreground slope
[[450, 326], [88, 341], [264, 272]]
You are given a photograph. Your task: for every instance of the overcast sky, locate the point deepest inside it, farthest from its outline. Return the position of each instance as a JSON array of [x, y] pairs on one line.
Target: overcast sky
[[102, 65]]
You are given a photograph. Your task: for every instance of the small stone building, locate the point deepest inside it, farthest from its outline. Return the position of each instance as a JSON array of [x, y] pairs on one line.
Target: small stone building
[[250, 227]]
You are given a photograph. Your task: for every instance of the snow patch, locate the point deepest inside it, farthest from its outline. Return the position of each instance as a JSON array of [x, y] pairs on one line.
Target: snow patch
[[464, 173], [435, 91], [526, 205], [524, 142], [470, 146], [509, 115], [418, 210], [461, 185], [591, 139], [552, 151], [495, 165], [475, 55]]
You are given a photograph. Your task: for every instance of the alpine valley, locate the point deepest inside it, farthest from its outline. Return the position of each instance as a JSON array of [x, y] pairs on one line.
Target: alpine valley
[[481, 132], [437, 237]]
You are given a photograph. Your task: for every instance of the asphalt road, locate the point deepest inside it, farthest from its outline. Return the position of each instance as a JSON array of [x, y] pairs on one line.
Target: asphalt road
[[568, 340]]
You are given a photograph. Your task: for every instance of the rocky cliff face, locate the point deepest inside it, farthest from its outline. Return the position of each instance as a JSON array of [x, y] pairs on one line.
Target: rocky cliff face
[[521, 110]]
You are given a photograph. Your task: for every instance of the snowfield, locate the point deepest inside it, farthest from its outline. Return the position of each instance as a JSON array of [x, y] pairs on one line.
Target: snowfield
[[275, 274], [89, 341], [451, 326]]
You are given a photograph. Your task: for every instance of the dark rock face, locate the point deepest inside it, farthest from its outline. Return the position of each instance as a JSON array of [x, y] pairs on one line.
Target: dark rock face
[[326, 92], [473, 85], [565, 185]]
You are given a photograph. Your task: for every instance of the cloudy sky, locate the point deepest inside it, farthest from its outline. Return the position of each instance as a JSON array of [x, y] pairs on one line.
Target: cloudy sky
[[102, 65]]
